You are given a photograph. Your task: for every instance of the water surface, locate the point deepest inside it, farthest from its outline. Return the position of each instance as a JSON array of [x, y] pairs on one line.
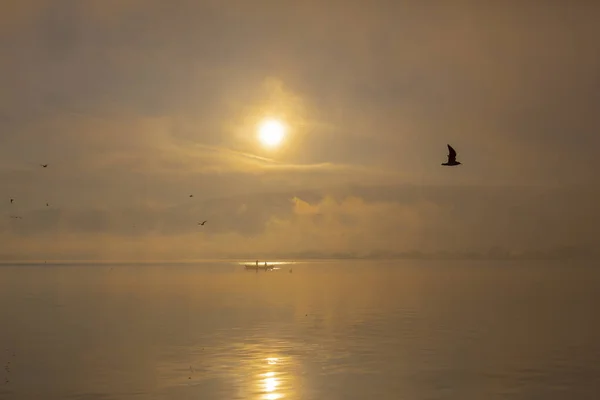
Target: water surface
[[328, 330]]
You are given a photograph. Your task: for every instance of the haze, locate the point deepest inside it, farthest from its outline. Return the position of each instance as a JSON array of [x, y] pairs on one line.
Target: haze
[[135, 105]]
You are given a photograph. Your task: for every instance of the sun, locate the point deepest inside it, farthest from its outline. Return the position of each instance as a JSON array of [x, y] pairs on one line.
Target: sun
[[271, 132]]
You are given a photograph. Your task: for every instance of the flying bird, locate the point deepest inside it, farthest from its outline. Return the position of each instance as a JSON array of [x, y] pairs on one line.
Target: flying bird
[[11, 201], [191, 195], [44, 165], [451, 158], [202, 223]]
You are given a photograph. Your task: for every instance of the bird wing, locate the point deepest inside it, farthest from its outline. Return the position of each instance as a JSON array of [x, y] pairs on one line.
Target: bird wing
[[451, 153]]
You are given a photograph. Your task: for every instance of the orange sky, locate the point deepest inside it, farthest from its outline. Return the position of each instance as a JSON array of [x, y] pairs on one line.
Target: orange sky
[[137, 104]]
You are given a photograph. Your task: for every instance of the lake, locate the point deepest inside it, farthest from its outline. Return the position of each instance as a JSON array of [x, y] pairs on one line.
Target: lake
[[328, 330]]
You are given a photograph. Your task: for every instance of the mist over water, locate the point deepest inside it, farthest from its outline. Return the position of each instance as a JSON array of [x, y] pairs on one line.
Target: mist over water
[[328, 330]]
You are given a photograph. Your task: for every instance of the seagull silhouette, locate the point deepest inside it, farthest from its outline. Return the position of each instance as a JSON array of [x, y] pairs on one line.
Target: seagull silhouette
[[451, 158], [202, 223], [44, 165]]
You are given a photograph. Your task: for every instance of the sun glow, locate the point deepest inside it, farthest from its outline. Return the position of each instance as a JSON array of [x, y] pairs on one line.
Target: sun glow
[[271, 132]]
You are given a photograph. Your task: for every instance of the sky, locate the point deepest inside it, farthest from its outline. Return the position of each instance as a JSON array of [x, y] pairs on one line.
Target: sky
[[136, 104]]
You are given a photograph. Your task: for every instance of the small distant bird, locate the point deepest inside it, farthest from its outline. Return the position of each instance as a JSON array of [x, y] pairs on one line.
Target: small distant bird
[[11, 201], [44, 165], [451, 158], [16, 217], [202, 223], [191, 195], [47, 205]]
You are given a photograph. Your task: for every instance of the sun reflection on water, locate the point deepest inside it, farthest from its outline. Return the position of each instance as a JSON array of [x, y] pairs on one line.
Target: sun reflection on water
[[270, 382], [253, 369]]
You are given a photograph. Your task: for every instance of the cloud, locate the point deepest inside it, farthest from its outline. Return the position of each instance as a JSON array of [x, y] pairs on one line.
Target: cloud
[[121, 161], [353, 220]]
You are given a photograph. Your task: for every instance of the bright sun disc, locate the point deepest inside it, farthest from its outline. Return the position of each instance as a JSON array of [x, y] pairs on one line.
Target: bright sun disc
[[271, 132]]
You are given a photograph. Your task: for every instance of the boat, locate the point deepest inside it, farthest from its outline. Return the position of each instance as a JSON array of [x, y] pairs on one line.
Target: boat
[[257, 267]]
